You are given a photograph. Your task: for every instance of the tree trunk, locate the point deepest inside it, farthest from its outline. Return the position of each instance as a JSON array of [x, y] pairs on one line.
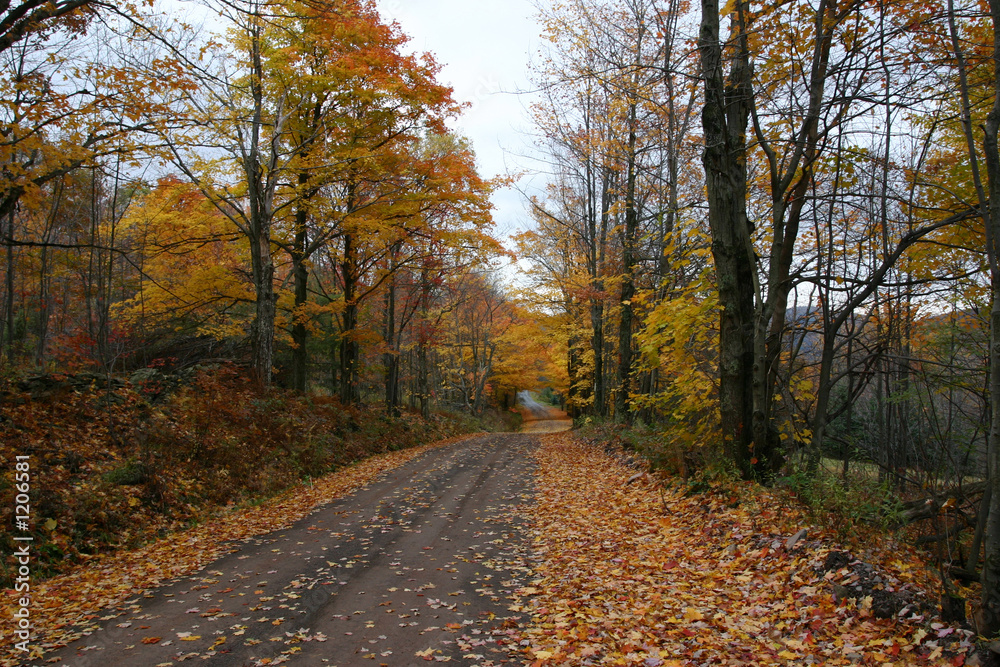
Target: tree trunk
[[348, 344], [262, 329], [990, 603], [300, 272], [391, 357], [9, 304], [575, 395], [597, 302], [260, 194], [623, 413], [300, 333], [42, 330], [423, 384], [972, 563], [724, 119], [597, 345]]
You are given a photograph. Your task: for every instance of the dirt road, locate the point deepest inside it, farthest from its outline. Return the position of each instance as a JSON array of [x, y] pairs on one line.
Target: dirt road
[[412, 568], [541, 418]]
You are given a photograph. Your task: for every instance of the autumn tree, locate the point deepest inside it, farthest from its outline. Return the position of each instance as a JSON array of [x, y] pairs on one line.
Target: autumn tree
[[616, 116], [233, 146], [82, 91], [450, 226], [358, 107], [35, 103], [476, 330], [190, 263], [559, 284]]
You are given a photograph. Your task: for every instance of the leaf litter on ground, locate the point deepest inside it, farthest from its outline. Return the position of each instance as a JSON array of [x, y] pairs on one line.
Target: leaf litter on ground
[[67, 607], [627, 572], [634, 573]]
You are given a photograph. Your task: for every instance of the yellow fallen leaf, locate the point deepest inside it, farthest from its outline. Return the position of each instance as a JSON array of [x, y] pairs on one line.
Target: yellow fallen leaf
[[692, 614]]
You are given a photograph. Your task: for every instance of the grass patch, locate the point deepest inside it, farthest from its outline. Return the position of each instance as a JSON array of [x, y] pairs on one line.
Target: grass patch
[[851, 507]]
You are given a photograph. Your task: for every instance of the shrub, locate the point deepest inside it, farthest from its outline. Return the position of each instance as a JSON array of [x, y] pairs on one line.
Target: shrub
[[129, 474], [843, 505]]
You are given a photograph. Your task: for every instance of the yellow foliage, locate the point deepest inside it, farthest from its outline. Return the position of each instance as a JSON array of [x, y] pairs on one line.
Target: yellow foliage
[[193, 265], [679, 337]]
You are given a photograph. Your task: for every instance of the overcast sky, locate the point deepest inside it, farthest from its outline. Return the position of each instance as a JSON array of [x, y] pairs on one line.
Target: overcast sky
[[484, 47]]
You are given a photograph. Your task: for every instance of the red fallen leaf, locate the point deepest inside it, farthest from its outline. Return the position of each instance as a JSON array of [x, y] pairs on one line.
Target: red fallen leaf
[[958, 660], [151, 640], [688, 633], [671, 564]]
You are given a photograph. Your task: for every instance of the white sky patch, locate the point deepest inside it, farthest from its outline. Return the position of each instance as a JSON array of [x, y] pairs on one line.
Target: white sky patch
[[484, 47]]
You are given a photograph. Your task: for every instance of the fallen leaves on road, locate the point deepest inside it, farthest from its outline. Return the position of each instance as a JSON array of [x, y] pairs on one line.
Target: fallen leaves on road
[[67, 607], [632, 577]]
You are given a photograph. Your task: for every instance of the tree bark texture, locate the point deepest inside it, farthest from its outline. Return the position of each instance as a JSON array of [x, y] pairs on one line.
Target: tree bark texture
[[300, 271], [990, 603], [724, 120], [623, 412], [348, 344]]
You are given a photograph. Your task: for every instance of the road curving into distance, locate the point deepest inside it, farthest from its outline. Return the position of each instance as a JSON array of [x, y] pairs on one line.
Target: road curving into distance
[[541, 418]]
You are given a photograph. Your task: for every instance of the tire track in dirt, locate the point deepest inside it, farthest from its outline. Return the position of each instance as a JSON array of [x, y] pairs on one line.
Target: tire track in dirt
[[414, 566]]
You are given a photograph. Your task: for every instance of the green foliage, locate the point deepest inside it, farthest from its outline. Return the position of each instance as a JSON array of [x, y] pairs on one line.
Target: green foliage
[[848, 506], [131, 473], [548, 395]]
